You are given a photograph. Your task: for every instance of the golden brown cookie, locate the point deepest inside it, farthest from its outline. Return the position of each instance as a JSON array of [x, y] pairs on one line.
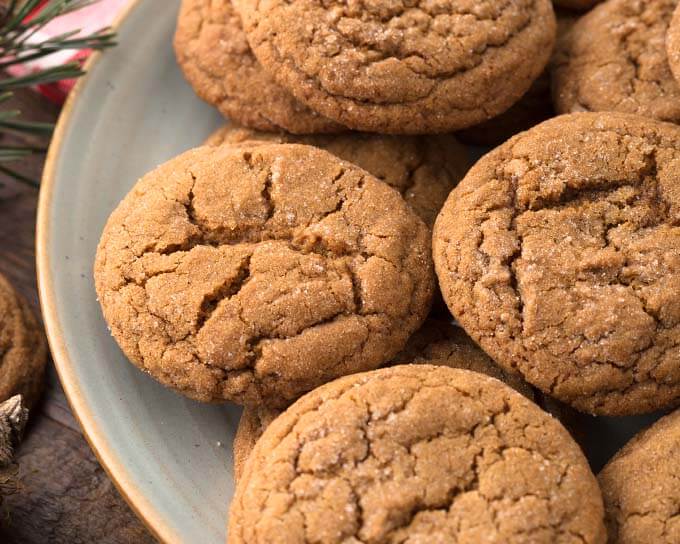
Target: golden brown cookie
[[436, 343], [614, 59], [416, 453], [214, 55], [256, 274], [23, 349], [673, 44], [412, 68], [559, 253], [423, 169], [641, 487]]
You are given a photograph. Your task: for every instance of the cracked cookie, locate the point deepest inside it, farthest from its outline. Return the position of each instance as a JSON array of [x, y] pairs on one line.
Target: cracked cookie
[[614, 59], [641, 487], [255, 274], [416, 453], [396, 67], [436, 343], [673, 44], [23, 349], [424, 169], [559, 253], [212, 50]]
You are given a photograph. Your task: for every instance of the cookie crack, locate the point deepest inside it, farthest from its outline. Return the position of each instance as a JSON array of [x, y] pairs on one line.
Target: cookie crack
[[406, 519], [226, 291]]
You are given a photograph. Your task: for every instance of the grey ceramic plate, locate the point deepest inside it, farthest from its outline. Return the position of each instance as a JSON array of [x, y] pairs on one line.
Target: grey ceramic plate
[[170, 457]]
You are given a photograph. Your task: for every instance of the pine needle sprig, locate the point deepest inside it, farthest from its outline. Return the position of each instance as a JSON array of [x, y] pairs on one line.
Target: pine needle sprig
[[18, 46]]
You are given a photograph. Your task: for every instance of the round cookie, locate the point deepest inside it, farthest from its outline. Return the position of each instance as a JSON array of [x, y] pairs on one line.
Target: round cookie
[[423, 169], [23, 350], [255, 274], [559, 253], [614, 59], [436, 343], [641, 486], [673, 44], [416, 453], [212, 50], [396, 68]]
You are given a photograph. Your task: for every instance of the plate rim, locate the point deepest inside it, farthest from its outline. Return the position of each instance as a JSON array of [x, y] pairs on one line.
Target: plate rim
[[96, 439]]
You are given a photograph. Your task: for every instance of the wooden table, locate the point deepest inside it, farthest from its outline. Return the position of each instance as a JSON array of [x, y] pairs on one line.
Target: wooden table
[[65, 495]]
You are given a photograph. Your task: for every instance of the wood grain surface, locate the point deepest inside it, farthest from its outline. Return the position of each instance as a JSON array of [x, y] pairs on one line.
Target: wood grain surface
[[65, 496]]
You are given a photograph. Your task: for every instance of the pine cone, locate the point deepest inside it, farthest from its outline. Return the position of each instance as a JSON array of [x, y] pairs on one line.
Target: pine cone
[[13, 418]]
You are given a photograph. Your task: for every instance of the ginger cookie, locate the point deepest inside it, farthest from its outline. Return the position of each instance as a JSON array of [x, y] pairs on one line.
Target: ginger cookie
[[396, 68], [255, 274], [435, 343], [424, 169], [212, 50], [559, 253], [614, 59], [416, 453], [673, 44], [23, 349], [641, 487]]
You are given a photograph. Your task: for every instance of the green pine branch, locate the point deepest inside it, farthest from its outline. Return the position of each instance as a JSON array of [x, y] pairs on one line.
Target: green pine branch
[[17, 46]]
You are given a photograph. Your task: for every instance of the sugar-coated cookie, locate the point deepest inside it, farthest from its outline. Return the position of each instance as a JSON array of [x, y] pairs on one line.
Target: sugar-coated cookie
[[416, 453], [559, 253], [396, 67], [255, 274]]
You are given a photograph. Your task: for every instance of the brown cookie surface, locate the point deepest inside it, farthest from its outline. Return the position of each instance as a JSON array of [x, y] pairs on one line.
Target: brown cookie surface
[[256, 274], [673, 44], [23, 349], [395, 67], [416, 453], [559, 253], [641, 487], [614, 59], [212, 51], [424, 169]]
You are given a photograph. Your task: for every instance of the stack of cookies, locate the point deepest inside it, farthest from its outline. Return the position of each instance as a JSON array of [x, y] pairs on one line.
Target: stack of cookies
[[304, 260]]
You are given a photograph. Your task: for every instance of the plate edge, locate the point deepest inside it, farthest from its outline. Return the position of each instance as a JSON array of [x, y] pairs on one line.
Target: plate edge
[[46, 294]]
